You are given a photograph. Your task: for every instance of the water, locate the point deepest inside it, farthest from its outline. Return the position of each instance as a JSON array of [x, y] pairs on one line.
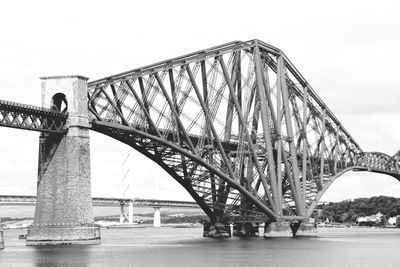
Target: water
[[168, 246]]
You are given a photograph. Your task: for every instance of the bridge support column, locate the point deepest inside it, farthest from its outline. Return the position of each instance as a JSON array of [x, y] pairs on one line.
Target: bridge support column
[[278, 229], [216, 230], [122, 213], [64, 213], [157, 217], [130, 212], [305, 229], [246, 229], [1, 238]]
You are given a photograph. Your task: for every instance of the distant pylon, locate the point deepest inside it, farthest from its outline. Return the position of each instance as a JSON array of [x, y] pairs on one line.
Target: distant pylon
[[127, 190]]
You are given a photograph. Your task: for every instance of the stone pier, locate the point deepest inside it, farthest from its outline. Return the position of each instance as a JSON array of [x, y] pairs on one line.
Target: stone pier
[[1, 238], [278, 229], [216, 230], [122, 213], [130, 212], [245, 229], [290, 229], [157, 217], [306, 229], [64, 213]]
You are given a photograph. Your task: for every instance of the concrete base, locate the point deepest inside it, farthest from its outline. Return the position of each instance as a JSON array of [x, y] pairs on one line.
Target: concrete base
[[63, 235], [306, 229], [278, 229], [217, 230], [245, 229], [1, 238]]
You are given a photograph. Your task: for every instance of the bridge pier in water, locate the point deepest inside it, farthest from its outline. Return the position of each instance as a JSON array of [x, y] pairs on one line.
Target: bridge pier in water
[[1, 238], [290, 229], [280, 229], [156, 217], [64, 213], [126, 217], [246, 229]]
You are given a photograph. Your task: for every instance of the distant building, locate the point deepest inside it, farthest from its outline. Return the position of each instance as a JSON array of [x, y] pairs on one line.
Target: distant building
[[372, 220]]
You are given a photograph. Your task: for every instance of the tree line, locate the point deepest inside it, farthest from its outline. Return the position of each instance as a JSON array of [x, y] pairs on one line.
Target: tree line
[[349, 210]]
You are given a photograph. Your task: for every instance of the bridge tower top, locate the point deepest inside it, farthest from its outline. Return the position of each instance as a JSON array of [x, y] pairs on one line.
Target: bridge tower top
[[67, 94]]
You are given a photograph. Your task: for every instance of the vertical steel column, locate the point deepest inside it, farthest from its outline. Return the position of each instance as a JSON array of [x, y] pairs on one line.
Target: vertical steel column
[[336, 150], [278, 131], [248, 137], [205, 95], [283, 152], [322, 151], [304, 178], [265, 124], [175, 102], [293, 152]]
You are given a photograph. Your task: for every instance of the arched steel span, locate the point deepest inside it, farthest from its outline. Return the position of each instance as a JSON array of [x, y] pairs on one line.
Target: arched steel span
[[371, 161], [237, 125]]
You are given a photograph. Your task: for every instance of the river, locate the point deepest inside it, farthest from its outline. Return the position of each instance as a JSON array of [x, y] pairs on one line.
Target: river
[[169, 246]]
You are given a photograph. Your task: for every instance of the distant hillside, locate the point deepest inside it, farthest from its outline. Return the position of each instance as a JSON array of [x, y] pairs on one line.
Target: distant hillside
[[349, 211]]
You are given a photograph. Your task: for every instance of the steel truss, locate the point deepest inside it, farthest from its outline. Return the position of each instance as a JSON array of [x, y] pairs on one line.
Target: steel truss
[[238, 126], [16, 115]]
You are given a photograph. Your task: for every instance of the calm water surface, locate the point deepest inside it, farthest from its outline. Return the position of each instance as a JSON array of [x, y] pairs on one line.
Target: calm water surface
[[168, 246]]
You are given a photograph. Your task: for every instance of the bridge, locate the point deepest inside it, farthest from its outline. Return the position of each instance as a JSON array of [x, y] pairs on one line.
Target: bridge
[[15, 200], [237, 125], [125, 216]]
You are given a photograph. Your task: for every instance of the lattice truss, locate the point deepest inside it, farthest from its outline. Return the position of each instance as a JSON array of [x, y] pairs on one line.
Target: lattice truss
[[237, 125], [16, 115]]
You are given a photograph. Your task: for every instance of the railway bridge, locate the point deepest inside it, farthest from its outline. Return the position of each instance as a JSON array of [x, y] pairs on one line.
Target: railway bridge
[[126, 216], [237, 125]]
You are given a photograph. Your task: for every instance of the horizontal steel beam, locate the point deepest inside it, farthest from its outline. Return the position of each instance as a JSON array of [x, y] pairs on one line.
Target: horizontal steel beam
[[13, 200], [33, 118]]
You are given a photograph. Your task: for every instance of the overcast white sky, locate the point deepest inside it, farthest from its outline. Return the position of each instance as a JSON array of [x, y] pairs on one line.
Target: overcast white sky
[[347, 50]]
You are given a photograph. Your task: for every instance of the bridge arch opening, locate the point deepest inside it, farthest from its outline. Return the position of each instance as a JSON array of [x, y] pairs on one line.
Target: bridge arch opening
[[59, 103], [353, 184], [149, 180]]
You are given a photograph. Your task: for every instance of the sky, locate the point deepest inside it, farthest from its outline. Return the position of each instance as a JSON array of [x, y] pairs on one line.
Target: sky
[[347, 50]]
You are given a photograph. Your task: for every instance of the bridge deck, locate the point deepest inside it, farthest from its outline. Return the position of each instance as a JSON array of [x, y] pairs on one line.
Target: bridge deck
[[11, 200], [28, 117]]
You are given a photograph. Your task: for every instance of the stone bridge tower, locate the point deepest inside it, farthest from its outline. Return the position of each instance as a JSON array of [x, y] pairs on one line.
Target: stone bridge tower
[[64, 213]]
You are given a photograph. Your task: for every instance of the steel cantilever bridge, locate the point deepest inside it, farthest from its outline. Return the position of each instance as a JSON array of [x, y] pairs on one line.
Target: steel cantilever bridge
[[236, 125]]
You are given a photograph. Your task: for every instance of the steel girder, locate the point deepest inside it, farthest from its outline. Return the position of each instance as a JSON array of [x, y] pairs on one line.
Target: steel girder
[[104, 202], [237, 125], [16, 115]]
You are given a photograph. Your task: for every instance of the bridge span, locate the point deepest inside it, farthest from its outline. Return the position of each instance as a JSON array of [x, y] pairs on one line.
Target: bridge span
[[21, 200], [126, 216], [237, 125]]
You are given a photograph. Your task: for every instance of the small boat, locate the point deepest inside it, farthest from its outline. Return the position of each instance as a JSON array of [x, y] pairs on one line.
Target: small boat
[[22, 236]]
